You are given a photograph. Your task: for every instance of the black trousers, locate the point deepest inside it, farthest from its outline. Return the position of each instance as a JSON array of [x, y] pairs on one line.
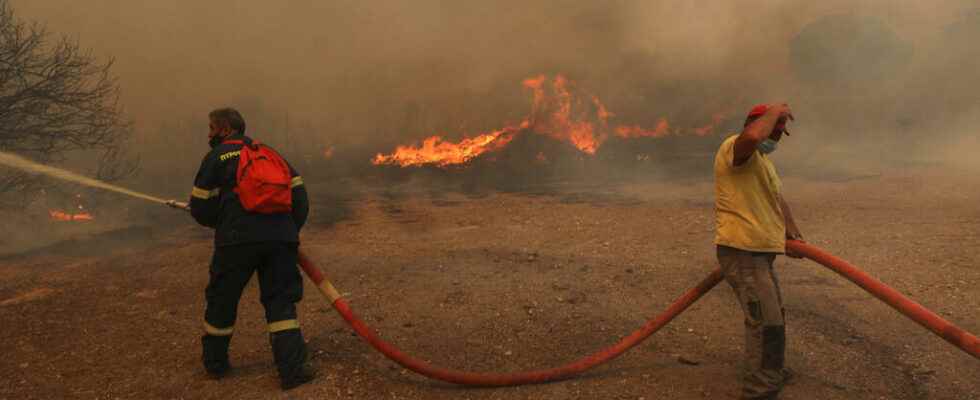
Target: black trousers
[[280, 283], [281, 287]]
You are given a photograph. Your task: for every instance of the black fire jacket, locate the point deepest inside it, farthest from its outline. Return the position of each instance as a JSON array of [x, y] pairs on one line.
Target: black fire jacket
[[215, 204]]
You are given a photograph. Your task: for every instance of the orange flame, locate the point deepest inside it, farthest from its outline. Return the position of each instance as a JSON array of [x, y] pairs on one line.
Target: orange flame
[[564, 116], [59, 215], [441, 153], [635, 131], [328, 152], [558, 110]]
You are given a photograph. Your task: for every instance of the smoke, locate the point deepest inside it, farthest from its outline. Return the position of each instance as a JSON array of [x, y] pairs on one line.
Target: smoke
[[362, 77]]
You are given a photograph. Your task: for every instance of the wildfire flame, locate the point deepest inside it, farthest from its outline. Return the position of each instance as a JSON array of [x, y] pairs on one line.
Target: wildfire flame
[[558, 110], [441, 153], [635, 131], [564, 116], [80, 215], [59, 215]]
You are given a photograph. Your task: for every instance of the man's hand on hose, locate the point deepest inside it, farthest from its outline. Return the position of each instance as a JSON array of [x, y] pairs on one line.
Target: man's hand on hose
[[793, 233]]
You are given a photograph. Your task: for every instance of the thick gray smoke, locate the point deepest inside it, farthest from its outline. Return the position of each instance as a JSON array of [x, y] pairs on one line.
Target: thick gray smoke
[[361, 77]]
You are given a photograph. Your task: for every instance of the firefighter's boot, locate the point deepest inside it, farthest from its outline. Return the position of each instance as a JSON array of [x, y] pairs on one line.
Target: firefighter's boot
[[289, 351], [215, 355]]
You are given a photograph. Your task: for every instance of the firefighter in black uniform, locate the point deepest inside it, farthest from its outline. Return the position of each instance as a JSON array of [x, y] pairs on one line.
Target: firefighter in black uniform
[[246, 242]]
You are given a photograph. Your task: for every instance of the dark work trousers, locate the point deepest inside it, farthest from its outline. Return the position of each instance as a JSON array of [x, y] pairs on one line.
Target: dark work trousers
[[281, 286], [751, 276]]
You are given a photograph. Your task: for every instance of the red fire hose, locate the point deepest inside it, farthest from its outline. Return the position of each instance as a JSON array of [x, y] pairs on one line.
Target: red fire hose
[[911, 309], [914, 311], [507, 379]]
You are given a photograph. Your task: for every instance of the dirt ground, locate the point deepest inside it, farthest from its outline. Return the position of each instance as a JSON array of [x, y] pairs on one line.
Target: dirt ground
[[515, 281]]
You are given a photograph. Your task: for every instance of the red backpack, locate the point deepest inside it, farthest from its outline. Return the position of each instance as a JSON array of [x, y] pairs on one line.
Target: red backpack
[[263, 179]]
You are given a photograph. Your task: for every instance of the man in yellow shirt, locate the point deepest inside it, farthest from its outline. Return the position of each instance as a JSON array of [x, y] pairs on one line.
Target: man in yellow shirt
[[753, 224]]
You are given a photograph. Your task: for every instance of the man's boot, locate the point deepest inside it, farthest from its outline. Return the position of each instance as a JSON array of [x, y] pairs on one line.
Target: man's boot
[[289, 351], [215, 355]]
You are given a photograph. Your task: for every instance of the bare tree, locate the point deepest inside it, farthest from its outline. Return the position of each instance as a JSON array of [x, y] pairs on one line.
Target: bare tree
[[55, 98]]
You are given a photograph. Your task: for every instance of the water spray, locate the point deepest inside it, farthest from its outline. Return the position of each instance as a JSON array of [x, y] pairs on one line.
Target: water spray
[[951, 333], [26, 165]]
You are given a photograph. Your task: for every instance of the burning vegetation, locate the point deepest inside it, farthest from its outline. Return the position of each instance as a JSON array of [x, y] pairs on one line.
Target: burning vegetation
[[58, 215], [559, 110], [441, 153], [79, 213]]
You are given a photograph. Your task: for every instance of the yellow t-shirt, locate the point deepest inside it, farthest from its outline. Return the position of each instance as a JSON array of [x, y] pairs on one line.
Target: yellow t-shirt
[[747, 209]]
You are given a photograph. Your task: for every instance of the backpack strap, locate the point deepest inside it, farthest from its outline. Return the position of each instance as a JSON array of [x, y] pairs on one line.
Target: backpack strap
[[252, 144]]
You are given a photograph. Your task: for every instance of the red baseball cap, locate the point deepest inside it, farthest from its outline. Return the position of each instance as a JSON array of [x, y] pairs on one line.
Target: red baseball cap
[[758, 111]]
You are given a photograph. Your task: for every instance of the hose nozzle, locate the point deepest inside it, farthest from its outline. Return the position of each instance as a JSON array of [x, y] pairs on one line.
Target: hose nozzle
[[178, 204]]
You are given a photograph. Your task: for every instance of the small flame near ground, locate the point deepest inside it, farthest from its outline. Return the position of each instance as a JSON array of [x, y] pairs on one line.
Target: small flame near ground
[[635, 131], [559, 110], [58, 215], [80, 215]]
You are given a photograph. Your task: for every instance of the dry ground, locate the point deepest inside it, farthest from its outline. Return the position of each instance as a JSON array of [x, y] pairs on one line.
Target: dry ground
[[511, 281]]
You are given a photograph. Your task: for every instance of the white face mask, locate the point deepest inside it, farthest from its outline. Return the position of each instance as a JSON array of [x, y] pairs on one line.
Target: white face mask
[[767, 146]]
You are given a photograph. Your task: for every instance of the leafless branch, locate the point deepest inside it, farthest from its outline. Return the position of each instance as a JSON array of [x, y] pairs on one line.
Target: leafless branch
[[56, 97]]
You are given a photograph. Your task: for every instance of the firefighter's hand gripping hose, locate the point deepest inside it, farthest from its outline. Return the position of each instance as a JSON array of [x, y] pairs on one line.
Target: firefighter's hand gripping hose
[[958, 337]]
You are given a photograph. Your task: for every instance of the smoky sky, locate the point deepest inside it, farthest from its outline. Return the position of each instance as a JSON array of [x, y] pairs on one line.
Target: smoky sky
[[390, 71]]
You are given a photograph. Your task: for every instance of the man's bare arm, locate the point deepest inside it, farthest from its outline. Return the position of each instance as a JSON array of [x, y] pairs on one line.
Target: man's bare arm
[[792, 231], [758, 131]]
